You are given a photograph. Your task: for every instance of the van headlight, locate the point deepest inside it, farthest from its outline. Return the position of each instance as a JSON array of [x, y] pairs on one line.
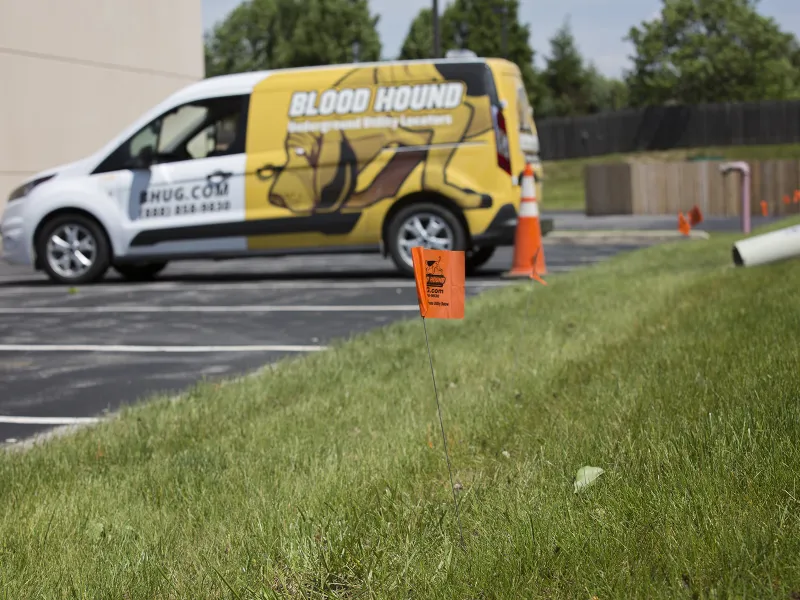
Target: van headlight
[[27, 188]]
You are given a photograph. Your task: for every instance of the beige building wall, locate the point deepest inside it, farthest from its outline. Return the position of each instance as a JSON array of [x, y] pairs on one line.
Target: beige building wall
[[73, 73]]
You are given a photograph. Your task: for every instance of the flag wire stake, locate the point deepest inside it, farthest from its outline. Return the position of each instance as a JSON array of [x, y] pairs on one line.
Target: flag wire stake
[[522, 328], [444, 438]]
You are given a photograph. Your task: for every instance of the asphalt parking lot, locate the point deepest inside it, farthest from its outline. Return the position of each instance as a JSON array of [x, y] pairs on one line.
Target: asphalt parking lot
[[67, 355]]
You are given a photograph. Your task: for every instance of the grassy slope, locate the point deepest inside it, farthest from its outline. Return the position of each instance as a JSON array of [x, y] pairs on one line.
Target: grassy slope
[[669, 368], [563, 184]]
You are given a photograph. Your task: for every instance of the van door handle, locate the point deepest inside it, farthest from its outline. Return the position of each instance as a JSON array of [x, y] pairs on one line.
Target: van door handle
[[218, 175]]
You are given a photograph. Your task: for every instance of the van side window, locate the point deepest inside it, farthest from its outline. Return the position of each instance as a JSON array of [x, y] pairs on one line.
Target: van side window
[[192, 131], [524, 111], [218, 138]]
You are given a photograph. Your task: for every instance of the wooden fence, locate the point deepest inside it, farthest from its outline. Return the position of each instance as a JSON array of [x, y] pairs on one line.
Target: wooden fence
[[660, 188]]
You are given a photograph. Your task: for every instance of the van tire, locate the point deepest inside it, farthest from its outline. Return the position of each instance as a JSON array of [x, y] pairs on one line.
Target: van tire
[[425, 211], [140, 272], [87, 229]]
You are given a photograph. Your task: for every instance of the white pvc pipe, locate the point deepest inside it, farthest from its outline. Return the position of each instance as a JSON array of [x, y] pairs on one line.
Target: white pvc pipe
[[768, 247]]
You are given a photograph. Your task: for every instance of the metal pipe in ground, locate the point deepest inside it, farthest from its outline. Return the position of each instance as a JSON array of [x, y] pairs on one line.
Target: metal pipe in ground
[[744, 168]]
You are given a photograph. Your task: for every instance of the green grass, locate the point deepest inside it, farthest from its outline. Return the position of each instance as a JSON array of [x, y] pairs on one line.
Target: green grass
[[669, 368], [563, 180]]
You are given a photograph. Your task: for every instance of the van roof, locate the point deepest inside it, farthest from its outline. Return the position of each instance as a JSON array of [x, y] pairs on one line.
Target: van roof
[[242, 83]]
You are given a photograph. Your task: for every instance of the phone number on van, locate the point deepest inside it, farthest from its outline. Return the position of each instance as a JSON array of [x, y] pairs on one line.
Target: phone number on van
[[185, 209]]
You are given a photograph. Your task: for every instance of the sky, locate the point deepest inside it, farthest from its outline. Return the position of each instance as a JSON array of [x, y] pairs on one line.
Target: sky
[[599, 26]]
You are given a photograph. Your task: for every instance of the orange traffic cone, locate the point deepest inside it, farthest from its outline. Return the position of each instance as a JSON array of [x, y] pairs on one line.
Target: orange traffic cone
[[683, 225], [528, 249]]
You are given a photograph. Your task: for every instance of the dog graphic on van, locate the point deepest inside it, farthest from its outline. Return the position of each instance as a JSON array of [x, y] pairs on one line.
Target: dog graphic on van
[[352, 169]]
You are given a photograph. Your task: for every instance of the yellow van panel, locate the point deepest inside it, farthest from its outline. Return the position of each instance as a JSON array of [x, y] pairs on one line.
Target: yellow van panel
[[342, 144], [508, 80]]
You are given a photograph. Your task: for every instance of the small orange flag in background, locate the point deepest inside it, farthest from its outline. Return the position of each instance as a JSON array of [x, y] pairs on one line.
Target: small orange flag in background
[[764, 209], [683, 224], [695, 216], [440, 282], [797, 196], [786, 198]]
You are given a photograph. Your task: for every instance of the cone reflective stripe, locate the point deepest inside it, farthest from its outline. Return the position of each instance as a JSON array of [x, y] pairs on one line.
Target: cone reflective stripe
[[529, 209], [528, 186], [528, 250]]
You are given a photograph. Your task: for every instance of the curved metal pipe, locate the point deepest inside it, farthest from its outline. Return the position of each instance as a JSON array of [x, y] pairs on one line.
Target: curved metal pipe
[[744, 168]]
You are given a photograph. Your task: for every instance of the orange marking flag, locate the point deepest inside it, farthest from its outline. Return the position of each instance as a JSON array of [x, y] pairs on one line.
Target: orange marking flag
[[440, 282], [695, 216], [534, 274]]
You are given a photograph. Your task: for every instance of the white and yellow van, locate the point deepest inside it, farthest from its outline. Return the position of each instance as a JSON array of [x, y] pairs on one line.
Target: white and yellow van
[[346, 158]]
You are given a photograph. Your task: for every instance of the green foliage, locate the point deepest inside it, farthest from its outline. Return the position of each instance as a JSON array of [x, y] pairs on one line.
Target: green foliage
[[565, 76], [327, 30], [712, 51], [419, 39], [271, 34], [605, 93], [573, 87], [478, 25], [696, 51]]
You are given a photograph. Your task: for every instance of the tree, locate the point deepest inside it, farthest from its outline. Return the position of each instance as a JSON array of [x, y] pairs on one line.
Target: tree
[[489, 28], [711, 51], [272, 34], [605, 93], [327, 30], [565, 76], [252, 37], [419, 39]]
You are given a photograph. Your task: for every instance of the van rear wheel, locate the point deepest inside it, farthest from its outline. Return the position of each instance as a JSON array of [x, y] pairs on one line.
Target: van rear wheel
[[425, 224]]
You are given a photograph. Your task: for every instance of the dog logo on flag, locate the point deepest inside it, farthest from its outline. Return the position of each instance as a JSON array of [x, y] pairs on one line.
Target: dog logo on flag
[[433, 273]]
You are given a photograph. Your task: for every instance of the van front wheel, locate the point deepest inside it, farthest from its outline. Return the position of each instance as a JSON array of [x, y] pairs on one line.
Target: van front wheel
[[427, 225], [73, 249]]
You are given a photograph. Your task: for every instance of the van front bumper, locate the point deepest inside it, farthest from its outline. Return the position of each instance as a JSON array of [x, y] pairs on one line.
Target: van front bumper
[[503, 228]]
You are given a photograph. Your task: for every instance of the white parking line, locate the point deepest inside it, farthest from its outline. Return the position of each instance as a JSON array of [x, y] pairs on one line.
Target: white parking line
[[144, 349], [47, 310], [266, 285], [46, 420]]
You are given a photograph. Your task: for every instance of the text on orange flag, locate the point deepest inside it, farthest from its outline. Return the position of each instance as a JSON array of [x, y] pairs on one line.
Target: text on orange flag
[[439, 275]]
